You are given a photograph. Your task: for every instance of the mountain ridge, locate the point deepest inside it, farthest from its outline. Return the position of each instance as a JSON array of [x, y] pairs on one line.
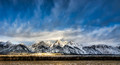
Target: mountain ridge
[[63, 47]]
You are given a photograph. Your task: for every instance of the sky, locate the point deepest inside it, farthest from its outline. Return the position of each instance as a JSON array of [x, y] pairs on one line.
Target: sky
[[81, 21]]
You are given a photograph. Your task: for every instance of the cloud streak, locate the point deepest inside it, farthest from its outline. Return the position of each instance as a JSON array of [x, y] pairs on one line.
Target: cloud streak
[[36, 20], [98, 36]]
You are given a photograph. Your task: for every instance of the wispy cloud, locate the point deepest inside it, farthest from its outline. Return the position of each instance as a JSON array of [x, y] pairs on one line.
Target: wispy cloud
[[105, 35], [81, 21]]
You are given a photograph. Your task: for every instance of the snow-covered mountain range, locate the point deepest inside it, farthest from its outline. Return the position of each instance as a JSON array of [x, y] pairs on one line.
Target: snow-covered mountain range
[[63, 47]]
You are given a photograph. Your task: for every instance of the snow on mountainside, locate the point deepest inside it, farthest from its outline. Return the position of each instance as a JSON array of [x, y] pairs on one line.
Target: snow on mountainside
[[58, 46], [4, 45], [101, 49], [40, 47], [65, 47], [7, 47]]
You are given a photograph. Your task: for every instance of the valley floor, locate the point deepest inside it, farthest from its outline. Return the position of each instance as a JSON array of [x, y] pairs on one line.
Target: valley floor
[[79, 62], [36, 57]]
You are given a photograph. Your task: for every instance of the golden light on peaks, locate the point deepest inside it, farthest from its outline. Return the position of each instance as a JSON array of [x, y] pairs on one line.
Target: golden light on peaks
[[61, 43], [45, 54]]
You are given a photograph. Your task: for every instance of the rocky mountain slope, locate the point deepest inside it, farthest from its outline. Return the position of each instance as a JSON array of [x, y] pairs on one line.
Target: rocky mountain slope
[[58, 46], [74, 48], [7, 47]]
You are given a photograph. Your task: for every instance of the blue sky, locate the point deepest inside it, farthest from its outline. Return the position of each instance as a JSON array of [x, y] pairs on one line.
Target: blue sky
[[78, 20]]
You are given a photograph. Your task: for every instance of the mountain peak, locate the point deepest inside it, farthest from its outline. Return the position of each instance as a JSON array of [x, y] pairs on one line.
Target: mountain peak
[[60, 43]]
